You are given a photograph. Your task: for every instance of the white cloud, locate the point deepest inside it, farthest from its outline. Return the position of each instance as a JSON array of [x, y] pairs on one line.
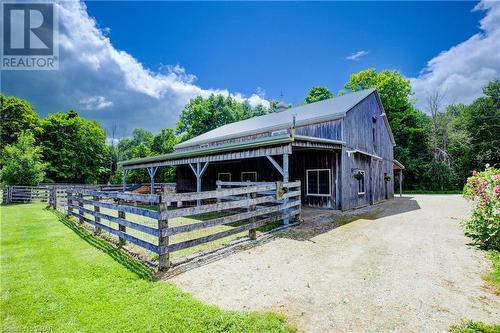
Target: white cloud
[[357, 55], [464, 69], [94, 75], [95, 103]]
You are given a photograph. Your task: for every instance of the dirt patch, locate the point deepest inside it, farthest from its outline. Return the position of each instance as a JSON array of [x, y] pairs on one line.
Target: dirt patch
[[400, 266]]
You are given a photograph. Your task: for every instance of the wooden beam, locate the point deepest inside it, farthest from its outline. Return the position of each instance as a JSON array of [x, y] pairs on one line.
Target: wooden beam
[[285, 180], [192, 168], [124, 179], [203, 169], [401, 182], [226, 156], [276, 165], [152, 172]]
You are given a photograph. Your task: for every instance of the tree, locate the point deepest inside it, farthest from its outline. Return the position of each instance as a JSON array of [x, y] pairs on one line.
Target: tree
[[22, 162], [164, 142], [138, 146], [482, 120], [317, 94], [75, 149], [201, 115], [16, 116], [409, 126]]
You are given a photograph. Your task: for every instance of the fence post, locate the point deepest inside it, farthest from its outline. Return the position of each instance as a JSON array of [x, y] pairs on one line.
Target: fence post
[[252, 233], [97, 209], [54, 190], [122, 228], [69, 201], [164, 255], [219, 186], [80, 204]]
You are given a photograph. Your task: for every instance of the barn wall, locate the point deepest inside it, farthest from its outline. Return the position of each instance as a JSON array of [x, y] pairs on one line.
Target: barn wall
[[358, 134], [299, 162], [186, 181], [326, 130]]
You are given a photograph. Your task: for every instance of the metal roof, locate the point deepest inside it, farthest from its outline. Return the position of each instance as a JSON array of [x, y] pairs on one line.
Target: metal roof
[[328, 109], [267, 141]]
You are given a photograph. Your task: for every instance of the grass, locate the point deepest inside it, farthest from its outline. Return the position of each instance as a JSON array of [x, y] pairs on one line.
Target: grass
[[470, 326], [433, 192], [58, 277], [179, 237], [493, 280], [493, 277]]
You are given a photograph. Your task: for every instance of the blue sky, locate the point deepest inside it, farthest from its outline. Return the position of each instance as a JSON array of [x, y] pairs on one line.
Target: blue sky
[[283, 46], [136, 64]]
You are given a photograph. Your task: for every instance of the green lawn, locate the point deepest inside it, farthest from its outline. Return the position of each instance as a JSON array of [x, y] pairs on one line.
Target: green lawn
[[57, 277], [470, 326]]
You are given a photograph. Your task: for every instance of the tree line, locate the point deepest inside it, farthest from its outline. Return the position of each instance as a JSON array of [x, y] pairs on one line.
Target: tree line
[[439, 146]]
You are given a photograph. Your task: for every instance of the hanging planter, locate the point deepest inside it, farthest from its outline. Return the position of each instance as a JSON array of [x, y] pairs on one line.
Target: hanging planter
[[358, 174]]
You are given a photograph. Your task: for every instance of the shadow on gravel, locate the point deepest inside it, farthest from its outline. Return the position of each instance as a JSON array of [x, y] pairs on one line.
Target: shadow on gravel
[[317, 221], [123, 258]]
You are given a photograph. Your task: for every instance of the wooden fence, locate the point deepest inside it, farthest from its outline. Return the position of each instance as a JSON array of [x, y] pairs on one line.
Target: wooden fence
[[26, 194], [245, 208]]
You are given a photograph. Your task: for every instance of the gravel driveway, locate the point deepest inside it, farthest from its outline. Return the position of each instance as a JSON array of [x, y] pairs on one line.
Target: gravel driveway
[[402, 266]]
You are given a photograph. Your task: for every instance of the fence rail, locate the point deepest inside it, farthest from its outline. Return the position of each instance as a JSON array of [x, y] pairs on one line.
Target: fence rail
[[153, 221], [257, 206], [25, 194]]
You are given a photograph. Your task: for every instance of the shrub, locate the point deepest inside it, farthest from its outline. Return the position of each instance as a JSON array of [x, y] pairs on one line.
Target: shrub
[[483, 188]]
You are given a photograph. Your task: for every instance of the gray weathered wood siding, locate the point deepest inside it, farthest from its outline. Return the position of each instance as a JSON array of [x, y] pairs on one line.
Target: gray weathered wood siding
[[326, 130], [365, 133], [266, 134], [364, 129]]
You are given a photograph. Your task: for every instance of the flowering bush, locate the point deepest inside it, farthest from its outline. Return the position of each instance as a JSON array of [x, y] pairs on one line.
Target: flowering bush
[[483, 188]]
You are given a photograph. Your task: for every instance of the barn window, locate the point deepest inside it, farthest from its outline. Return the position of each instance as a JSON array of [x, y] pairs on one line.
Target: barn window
[[318, 182], [361, 182], [249, 176], [224, 176]]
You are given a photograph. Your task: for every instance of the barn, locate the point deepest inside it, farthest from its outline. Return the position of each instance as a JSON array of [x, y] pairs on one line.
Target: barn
[[341, 149]]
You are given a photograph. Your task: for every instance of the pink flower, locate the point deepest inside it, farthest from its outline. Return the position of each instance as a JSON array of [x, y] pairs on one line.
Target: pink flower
[[474, 172], [497, 190], [495, 177]]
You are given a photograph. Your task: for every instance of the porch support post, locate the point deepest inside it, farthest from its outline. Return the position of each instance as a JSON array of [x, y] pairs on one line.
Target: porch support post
[[400, 182], [124, 179], [285, 180], [198, 172], [337, 180], [152, 173], [276, 165], [198, 182]]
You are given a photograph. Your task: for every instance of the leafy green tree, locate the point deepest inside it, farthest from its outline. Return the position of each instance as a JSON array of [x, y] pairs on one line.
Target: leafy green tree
[[201, 115], [317, 94], [482, 121], [16, 116], [22, 163], [164, 142], [409, 126], [75, 149], [139, 145]]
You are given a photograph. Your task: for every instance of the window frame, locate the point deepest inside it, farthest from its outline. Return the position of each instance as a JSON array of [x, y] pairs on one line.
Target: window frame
[[248, 172], [364, 183], [223, 173], [329, 183]]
